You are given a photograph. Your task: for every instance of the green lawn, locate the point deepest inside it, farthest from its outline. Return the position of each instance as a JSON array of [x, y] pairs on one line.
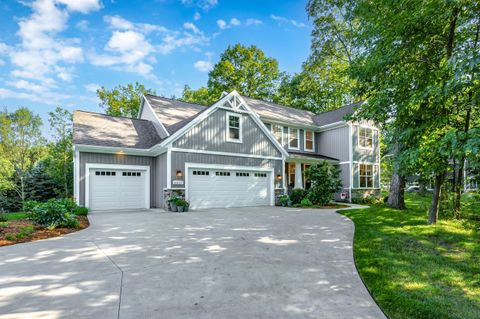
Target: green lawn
[[15, 216], [418, 271]]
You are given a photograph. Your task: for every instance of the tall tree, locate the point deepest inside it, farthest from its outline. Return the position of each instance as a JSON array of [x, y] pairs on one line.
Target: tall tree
[[123, 100], [247, 70], [20, 146], [60, 161]]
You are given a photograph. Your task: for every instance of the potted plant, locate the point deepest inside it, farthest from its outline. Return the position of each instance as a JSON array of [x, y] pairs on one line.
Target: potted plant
[[182, 205], [173, 203], [284, 200]]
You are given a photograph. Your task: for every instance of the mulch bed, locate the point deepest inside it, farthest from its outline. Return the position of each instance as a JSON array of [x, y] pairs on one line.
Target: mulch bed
[[14, 227]]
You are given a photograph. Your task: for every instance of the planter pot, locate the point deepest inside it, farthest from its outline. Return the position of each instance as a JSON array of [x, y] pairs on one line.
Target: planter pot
[[186, 208], [180, 209], [173, 206], [289, 203]]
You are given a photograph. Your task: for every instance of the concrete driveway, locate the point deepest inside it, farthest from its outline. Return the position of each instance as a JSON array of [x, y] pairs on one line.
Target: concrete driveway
[[228, 263]]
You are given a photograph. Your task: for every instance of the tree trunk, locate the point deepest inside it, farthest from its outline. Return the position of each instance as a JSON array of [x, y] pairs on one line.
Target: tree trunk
[[396, 197], [433, 212]]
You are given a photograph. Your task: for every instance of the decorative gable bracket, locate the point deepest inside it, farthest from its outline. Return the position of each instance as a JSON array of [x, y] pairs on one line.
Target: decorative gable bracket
[[233, 102]]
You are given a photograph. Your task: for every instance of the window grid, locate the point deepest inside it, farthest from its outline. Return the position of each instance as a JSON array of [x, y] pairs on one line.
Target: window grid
[[234, 127], [260, 174], [293, 138], [277, 131], [203, 173], [366, 175], [309, 140], [242, 174], [365, 137], [222, 173], [105, 173]]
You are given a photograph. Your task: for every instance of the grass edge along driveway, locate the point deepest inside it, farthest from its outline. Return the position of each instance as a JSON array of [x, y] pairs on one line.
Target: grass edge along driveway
[[414, 270]]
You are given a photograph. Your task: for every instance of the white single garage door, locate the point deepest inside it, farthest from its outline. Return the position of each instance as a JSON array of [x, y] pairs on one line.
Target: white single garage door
[[117, 189], [216, 188]]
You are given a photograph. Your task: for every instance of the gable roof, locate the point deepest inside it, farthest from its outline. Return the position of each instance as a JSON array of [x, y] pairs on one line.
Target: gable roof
[[279, 112], [103, 130], [170, 111], [336, 115]]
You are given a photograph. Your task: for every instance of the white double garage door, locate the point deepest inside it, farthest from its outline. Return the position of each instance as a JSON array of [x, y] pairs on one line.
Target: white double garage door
[[128, 188], [217, 188]]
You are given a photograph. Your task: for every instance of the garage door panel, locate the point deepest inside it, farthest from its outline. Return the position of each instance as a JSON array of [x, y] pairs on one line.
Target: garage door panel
[[217, 189], [117, 191]]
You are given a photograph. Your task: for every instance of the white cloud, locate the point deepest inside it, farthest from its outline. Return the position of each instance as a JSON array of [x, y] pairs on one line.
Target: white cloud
[[234, 22], [82, 25], [192, 27], [92, 87], [42, 57], [117, 22], [222, 24], [196, 16], [83, 6], [203, 66], [205, 5], [280, 19], [252, 21]]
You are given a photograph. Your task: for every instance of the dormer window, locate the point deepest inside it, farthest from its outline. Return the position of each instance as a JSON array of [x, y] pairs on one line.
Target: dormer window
[[234, 127]]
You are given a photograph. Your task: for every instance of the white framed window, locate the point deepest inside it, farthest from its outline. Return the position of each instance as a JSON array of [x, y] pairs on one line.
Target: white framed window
[[365, 137], [277, 131], [365, 173], [293, 134], [234, 127], [308, 140], [291, 174]]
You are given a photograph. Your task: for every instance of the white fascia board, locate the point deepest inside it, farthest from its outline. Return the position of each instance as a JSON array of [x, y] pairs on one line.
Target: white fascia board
[[186, 150], [153, 151], [333, 125], [76, 174], [156, 116]]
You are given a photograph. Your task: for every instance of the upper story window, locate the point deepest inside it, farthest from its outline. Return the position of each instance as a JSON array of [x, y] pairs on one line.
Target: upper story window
[[293, 134], [234, 125], [277, 131], [365, 137], [309, 138]]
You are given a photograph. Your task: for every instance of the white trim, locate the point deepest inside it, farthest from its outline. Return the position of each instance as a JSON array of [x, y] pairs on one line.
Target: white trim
[[271, 170], [298, 139], [76, 174], [282, 132], [153, 151], [240, 127], [89, 166], [350, 156], [342, 163], [169, 167], [156, 116], [283, 174], [373, 175], [358, 138], [185, 150], [333, 126], [270, 120], [305, 141]]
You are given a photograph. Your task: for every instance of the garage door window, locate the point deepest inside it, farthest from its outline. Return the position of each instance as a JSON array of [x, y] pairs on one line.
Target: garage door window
[[260, 174], [242, 174], [201, 173], [131, 174], [105, 173], [222, 173]]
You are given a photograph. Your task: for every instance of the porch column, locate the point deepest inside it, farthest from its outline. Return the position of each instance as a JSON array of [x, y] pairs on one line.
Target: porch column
[[298, 175]]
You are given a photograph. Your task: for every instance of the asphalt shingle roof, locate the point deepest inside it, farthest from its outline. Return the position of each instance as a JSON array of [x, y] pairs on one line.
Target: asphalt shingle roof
[[104, 130], [336, 115], [170, 111]]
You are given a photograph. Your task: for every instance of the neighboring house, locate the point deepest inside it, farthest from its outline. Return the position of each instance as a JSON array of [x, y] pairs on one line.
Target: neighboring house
[[237, 152]]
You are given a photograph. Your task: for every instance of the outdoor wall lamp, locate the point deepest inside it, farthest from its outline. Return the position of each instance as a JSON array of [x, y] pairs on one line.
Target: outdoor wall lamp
[[179, 174], [279, 177]]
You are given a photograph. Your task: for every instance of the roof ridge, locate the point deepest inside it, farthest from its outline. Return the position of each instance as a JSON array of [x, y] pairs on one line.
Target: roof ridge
[[115, 116], [176, 100], [281, 105]]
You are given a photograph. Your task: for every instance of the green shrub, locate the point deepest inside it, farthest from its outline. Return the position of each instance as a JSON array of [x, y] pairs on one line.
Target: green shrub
[[10, 237], [368, 200], [3, 224], [306, 202], [325, 180], [25, 232], [81, 211], [284, 200], [54, 213], [181, 202], [3, 217], [297, 195]]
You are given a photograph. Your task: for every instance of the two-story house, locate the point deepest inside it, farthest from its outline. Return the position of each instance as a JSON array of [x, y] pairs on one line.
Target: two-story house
[[238, 152]]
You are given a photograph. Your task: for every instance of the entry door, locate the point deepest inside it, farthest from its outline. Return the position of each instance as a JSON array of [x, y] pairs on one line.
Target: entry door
[[117, 189], [208, 188]]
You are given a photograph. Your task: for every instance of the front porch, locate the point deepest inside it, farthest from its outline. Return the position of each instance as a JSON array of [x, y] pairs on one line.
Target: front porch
[[296, 167]]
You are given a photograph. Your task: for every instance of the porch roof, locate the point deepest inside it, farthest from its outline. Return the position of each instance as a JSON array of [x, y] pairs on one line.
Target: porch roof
[[312, 157]]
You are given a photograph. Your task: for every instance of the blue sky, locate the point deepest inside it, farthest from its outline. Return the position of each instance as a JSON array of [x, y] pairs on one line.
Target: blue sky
[[58, 52]]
